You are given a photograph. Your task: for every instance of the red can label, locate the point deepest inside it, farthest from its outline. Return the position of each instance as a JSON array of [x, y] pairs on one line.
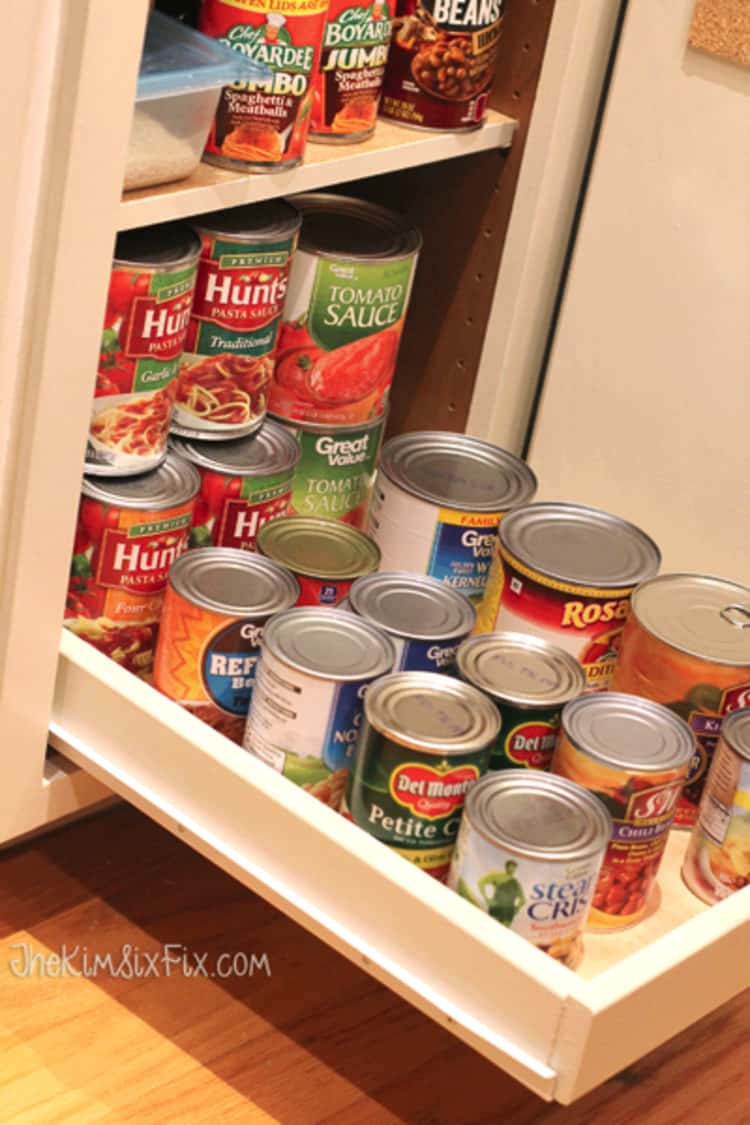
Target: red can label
[[323, 591], [352, 66], [230, 510]]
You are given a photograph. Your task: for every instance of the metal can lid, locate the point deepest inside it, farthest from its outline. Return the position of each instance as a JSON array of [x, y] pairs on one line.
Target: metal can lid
[[226, 580], [457, 471], [174, 482], [162, 246], [253, 222], [699, 615], [335, 226], [268, 451], [412, 605], [574, 543], [537, 815], [520, 670], [317, 548], [337, 431], [628, 732], [735, 730], [432, 713], [329, 644]]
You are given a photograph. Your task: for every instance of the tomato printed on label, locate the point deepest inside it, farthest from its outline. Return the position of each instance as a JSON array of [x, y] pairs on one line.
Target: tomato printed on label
[[354, 370]]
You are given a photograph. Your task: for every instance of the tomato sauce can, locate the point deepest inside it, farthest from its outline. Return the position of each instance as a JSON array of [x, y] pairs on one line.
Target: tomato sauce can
[[442, 63], [347, 88], [306, 712], [129, 533], [425, 619], [439, 498], [686, 644], [529, 681], [262, 126], [245, 483], [216, 606], [529, 853], [335, 474], [565, 572], [325, 557], [717, 862], [225, 374], [634, 756], [145, 326], [349, 290]]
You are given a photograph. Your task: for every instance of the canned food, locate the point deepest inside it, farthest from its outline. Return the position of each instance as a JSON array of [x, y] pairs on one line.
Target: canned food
[[222, 390], [145, 324], [528, 853], [129, 532], [529, 681], [687, 644], [425, 741], [336, 470], [262, 126], [442, 64], [244, 484], [634, 756], [425, 620], [349, 290], [307, 706], [717, 862], [347, 88], [324, 556], [439, 498], [565, 572]]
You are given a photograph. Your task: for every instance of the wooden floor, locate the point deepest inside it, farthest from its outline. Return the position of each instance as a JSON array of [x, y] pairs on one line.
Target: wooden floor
[[316, 1041]]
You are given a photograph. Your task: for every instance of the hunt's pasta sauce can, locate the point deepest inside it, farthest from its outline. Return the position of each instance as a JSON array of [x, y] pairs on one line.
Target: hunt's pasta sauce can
[[225, 374]]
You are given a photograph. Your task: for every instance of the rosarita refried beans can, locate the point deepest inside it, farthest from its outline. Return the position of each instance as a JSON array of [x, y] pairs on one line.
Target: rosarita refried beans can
[[438, 500], [565, 572], [687, 644], [349, 291]]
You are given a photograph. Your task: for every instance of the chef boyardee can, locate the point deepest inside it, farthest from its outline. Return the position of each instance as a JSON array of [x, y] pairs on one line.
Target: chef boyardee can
[[439, 498], [425, 619], [325, 556], [425, 741], [529, 680], [529, 854], [306, 712]]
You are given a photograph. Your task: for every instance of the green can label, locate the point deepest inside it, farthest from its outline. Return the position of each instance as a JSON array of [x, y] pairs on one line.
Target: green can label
[[527, 739]]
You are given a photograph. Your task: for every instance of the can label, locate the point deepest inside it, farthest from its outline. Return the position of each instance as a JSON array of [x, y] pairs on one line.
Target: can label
[[527, 738], [265, 124], [717, 862], [340, 338], [145, 325], [230, 510], [322, 591], [352, 65], [425, 656]]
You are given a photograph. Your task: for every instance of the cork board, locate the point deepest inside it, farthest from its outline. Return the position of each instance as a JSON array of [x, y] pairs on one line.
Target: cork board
[[722, 27]]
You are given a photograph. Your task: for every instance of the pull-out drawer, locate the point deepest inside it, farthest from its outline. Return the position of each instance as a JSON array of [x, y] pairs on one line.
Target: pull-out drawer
[[558, 1032]]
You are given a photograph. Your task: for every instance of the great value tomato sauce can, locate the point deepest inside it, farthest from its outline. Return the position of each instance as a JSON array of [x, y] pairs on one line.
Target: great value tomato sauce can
[[687, 644], [129, 533], [565, 572], [325, 557], [217, 604], [349, 290], [245, 483], [439, 498], [145, 326], [225, 374], [634, 756]]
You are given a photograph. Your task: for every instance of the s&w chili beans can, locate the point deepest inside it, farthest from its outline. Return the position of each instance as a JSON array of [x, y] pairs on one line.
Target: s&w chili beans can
[[129, 533], [565, 572], [529, 681], [425, 741], [529, 853], [687, 644], [145, 326], [349, 290], [225, 374], [438, 500], [425, 619], [216, 606], [324, 556], [717, 862], [244, 483], [634, 756], [306, 712]]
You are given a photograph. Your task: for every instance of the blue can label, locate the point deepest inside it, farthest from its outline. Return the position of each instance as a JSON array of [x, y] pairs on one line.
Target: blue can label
[[228, 666], [426, 656], [462, 550]]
